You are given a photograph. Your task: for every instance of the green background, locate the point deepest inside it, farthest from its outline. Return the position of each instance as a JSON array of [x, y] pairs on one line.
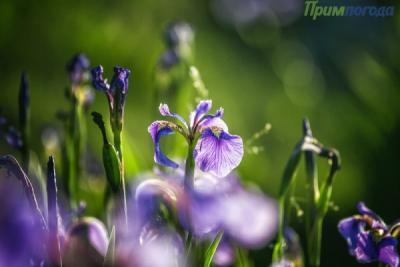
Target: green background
[[340, 72]]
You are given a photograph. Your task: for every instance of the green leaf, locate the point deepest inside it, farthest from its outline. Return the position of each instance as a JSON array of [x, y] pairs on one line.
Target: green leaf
[[112, 167], [212, 249], [110, 254]]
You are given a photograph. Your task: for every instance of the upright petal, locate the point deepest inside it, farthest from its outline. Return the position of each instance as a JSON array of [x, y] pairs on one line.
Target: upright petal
[[349, 228], [202, 108], [98, 81], [218, 152], [158, 129], [388, 251]]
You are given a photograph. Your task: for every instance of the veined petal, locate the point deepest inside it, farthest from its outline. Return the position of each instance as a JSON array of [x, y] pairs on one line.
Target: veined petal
[[218, 152], [388, 251], [158, 129], [349, 228], [164, 111]]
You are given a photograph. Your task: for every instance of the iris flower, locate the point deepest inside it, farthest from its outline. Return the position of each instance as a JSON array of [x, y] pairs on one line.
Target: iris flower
[[369, 238], [215, 150]]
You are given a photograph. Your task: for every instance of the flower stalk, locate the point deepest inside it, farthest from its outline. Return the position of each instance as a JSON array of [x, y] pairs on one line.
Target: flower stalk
[[24, 120]]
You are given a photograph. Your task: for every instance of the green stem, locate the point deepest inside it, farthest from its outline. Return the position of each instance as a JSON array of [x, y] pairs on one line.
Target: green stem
[[278, 249], [314, 242], [189, 167], [118, 147]]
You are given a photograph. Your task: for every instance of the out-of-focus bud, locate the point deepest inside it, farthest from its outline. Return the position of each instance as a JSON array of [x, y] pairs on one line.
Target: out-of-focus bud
[[178, 33], [77, 69], [85, 244]]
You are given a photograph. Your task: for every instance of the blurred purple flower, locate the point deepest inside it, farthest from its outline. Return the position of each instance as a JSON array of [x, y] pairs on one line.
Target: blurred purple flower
[[368, 238], [77, 68], [86, 243], [169, 59], [216, 151], [225, 254], [247, 217], [20, 238], [178, 33]]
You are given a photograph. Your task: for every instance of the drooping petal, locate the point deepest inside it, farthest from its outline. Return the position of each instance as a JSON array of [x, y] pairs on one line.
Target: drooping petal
[[218, 152], [349, 228], [388, 251], [158, 129], [366, 248], [98, 81], [164, 111]]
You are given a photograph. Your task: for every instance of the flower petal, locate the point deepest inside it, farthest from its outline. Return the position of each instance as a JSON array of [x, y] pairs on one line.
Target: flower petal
[[366, 248], [164, 111], [98, 82], [158, 129], [218, 152], [377, 221], [388, 251], [249, 218], [202, 108], [349, 228], [120, 79]]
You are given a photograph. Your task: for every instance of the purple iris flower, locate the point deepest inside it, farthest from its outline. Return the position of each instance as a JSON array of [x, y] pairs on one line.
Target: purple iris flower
[[369, 238], [215, 149]]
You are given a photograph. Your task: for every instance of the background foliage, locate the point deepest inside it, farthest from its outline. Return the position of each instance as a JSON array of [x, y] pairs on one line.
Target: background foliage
[[342, 73]]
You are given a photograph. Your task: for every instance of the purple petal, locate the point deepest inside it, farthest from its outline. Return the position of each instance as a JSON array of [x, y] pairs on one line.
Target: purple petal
[[164, 111], [225, 254], [366, 250], [98, 81], [120, 80], [388, 251], [92, 230], [218, 152], [377, 221], [77, 67], [202, 108], [349, 228], [158, 129], [249, 218]]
